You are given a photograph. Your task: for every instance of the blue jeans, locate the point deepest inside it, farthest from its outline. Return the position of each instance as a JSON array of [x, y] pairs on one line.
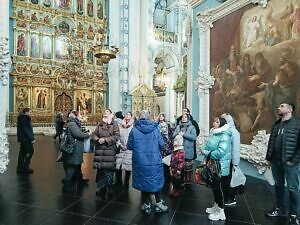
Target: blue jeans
[[281, 172]]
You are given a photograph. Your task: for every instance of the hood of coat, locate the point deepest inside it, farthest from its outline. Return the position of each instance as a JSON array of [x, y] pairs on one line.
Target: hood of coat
[[146, 126], [229, 120], [223, 129], [75, 120]]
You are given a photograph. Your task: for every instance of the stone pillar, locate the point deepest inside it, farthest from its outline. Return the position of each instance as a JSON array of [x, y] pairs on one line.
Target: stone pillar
[[5, 64], [205, 81], [113, 71]]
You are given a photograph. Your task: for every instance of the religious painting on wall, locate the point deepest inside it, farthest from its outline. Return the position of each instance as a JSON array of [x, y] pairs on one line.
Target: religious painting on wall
[[90, 8], [21, 98], [47, 3], [47, 47], [21, 45], [80, 7], [64, 3], [41, 98], [90, 55], [256, 66], [62, 48], [34, 46], [84, 101], [100, 9]]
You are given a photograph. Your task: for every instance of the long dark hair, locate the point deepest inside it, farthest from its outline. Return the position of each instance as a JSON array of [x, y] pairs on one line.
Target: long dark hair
[[222, 121]]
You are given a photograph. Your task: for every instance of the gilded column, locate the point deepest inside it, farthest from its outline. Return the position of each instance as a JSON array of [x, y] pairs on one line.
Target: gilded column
[[5, 64]]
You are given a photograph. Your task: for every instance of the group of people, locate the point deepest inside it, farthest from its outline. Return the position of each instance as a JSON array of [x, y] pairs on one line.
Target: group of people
[[139, 145]]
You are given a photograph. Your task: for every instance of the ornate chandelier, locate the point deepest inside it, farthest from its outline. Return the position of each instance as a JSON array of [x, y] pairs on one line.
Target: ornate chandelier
[[102, 51]]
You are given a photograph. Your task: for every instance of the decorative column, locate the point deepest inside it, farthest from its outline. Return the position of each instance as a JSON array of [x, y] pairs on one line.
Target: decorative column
[[114, 65], [204, 81], [5, 64]]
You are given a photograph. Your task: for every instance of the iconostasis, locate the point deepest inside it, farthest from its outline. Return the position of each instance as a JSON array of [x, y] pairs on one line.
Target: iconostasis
[[54, 68]]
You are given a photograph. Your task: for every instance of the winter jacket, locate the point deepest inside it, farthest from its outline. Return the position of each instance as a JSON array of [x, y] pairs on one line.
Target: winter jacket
[[59, 125], [235, 140], [124, 157], [194, 122], [291, 141], [76, 136], [146, 142], [24, 129], [219, 145], [189, 139], [105, 154]]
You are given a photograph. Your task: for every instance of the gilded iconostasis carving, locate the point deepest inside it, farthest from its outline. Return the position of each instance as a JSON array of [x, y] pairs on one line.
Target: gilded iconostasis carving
[[53, 59]]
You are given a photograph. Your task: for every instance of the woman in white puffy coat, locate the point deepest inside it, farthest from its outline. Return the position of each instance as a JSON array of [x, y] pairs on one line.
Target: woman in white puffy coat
[[124, 157]]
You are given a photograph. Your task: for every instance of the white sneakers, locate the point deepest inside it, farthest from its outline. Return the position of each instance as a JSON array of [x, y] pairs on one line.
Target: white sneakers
[[212, 209], [215, 213]]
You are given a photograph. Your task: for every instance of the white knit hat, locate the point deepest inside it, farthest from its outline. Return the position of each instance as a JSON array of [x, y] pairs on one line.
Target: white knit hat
[[178, 142]]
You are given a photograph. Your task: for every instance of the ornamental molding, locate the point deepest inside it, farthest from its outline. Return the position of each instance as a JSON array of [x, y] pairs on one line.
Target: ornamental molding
[[4, 149], [5, 61], [206, 18], [204, 81], [257, 151]]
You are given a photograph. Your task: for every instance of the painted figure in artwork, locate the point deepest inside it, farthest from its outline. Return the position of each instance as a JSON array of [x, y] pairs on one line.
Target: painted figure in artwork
[[90, 55], [100, 9], [47, 45], [64, 3], [47, 3], [35, 1], [287, 32], [252, 31], [34, 47], [22, 94], [21, 45], [41, 99], [90, 33], [80, 7], [64, 27], [21, 14], [47, 19], [34, 17], [90, 8], [295, 19]]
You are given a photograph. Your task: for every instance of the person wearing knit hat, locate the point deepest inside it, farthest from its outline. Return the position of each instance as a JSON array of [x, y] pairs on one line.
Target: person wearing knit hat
[[177, 166]]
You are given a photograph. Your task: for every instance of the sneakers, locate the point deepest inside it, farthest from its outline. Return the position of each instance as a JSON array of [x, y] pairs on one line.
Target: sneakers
[[219, 214], [212, 209], [146, 208], [294, 220], [230, 202], [161, 207], [275, 213]]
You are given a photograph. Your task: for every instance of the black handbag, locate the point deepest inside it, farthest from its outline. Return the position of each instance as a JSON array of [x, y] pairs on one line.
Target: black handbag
[[211, 173]]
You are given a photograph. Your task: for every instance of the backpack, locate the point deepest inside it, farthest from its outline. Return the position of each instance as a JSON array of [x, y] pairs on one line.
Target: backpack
[[65, 146]]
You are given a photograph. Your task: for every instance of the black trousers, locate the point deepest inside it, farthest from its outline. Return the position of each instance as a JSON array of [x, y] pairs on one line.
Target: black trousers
[[146, 197], [25, 155], [72, 175], [229, 193], [219, 194]]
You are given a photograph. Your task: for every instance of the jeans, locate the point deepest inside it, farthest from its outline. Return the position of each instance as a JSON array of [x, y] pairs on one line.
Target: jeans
[[281, 172]]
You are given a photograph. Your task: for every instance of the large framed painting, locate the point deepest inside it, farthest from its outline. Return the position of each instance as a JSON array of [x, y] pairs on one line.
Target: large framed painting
[[250, 63]]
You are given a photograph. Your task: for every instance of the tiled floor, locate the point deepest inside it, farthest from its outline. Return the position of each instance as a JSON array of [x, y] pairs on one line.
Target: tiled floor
[[37, 198]]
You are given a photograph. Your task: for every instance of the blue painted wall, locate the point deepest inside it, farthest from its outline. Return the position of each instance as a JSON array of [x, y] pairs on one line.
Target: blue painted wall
[[196, 52]]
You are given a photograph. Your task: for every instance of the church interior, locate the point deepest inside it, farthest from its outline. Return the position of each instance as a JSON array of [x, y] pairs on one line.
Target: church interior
[[212, 56]]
